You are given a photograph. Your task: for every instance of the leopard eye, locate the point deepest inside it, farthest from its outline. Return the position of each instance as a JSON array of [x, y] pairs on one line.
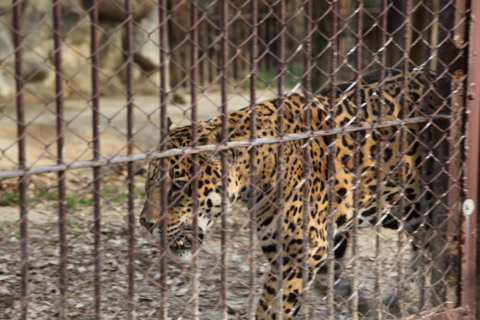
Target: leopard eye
[[177, 186]]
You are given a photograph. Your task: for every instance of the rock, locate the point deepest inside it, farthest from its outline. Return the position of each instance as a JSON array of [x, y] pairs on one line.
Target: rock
[[147, 54], [39, 58], [112, 77], [7, 85], [147, 43], [35, 68], [74, 25], [114, 10], [178, 98], [110, 42], [5, 4], [75, 68], [7, 81], [6, 46], [36, 24]]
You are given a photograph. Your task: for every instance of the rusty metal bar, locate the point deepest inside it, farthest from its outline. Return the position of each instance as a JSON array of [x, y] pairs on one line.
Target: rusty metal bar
[[440, 186], [379, 173], [402, 165], [470, 275], [213, 147], [162, 12], [331, 161], [62, 268], [96, 156], [163, 34], [280, 160], [307, 167], [356, 159], [424, 207], [448, 64], [193, 34], [253, 163], [128, 52], [457, 105], [21, 132], [224, 135]]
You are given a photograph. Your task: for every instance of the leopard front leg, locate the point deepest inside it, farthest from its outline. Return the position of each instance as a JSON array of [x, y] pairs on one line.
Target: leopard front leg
[[291, 292], [292, 284]]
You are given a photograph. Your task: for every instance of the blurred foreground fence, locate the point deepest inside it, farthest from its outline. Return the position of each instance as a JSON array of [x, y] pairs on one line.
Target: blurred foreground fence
[[85, 91]]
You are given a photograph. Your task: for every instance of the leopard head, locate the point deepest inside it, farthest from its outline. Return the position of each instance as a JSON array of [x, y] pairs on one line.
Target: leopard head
[[178, 175]]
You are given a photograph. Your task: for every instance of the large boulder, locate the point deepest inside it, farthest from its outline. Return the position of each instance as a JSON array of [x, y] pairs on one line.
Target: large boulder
[[147, 42], [5, 4], [39, 58], [7, 81], [114, 10], [147, 53]]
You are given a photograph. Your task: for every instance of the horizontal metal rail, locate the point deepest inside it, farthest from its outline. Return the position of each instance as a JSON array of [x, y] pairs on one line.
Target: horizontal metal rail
[[212, 147]]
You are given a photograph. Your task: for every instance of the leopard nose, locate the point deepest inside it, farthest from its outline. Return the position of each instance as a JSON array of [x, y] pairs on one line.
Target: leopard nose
[[146, 224]]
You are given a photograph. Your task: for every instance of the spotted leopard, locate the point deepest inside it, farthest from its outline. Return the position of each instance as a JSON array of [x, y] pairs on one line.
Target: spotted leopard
[[179, 214]]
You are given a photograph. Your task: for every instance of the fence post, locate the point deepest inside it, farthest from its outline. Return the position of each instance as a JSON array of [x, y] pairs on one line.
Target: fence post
[[445, 217], [470, 273], [22, 184]]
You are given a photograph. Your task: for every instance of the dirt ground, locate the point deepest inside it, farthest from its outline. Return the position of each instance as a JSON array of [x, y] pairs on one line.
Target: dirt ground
[[43, 227], [44, 257]]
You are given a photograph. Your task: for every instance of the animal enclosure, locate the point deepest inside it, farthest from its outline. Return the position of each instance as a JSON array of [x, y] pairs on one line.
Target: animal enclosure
[[351, 128]]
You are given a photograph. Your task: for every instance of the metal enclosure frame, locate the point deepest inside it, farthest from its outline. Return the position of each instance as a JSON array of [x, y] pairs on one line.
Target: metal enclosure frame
[[460, 85]]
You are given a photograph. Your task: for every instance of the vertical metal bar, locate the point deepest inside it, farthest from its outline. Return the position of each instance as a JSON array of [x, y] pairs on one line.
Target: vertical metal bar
[[62, 268], [424, 206], [22, 186], [224, 134], [195, 168], [448, 64], [470, 274], [96, 155], [163, 21], [440, 185], [280, 160], [162, 11], [128, 58], [331, 162], [307, 167], [379, 173], [356, 159], [402, 164], [253, 155], [456, 162]]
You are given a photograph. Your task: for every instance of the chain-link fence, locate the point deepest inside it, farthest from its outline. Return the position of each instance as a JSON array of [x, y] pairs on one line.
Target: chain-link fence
[[322, 162]]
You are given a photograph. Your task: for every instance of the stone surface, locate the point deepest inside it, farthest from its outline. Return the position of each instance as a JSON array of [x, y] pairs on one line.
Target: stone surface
[[38, 51], [7, 84], [147, 43], [7, 81], [114, 10], [6, 46], [5, 4]]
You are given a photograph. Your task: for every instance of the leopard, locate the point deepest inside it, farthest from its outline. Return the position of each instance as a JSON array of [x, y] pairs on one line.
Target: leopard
[[386, 95]]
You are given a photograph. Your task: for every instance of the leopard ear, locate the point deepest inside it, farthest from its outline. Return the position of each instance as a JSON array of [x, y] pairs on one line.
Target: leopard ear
[[170, 124], [212, 135], [215, 137]]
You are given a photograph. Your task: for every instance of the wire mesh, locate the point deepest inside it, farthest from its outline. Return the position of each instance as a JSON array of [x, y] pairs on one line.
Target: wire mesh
[[315, 167]]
